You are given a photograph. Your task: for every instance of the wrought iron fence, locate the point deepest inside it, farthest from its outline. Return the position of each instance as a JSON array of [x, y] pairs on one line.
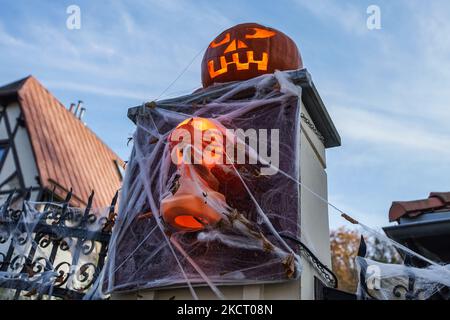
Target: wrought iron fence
[[51, 250], [405, 285]]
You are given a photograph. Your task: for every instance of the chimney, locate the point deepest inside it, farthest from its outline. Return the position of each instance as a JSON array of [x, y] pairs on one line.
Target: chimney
[[72, 107], [79, 105], [82, 112]]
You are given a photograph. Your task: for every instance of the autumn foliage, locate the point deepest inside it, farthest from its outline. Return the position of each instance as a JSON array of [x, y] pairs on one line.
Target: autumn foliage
[[344, 248], [344, 244]]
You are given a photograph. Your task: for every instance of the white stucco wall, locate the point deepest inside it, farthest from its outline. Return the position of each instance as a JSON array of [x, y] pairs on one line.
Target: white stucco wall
[[314, 228], [25, 154], [314, 222]]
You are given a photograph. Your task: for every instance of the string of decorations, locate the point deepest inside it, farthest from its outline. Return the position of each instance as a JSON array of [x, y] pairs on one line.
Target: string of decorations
[[323, 270], [312, 127]]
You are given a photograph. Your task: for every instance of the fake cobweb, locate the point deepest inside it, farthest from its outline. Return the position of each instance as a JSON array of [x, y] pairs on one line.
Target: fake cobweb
[[387, 270], [251, 208], [243, 245], [247, 238], [251, 240], [50, 250]]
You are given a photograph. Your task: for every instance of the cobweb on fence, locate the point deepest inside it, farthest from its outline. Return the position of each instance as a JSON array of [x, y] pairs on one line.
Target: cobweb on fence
[[50, 250], [387, 270], [235, 238]]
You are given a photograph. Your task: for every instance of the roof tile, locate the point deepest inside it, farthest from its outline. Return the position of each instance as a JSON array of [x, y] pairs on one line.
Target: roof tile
[[68, 154], [437, 201]]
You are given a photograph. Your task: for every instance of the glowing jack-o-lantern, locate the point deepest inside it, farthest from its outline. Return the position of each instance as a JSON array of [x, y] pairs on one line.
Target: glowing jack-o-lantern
[[199, 135], [195, 202], [246, 51]]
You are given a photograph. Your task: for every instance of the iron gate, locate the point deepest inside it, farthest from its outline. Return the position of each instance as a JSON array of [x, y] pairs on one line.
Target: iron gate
[[52, 251]]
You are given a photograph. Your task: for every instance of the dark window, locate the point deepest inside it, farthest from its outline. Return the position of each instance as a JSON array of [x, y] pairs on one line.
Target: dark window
[[4, 144]]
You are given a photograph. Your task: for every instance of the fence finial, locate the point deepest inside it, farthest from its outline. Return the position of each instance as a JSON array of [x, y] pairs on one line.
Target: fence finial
[[114, 200]]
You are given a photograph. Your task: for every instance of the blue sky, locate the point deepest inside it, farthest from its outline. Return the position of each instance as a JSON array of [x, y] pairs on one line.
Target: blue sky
[[387, 90]]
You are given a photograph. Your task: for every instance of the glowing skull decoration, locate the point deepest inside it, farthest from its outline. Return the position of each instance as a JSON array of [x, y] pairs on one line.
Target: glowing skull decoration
[[246, 51]]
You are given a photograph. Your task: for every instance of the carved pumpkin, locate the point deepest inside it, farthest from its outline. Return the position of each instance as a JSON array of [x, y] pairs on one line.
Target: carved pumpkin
[[197, 202], [246, 51]]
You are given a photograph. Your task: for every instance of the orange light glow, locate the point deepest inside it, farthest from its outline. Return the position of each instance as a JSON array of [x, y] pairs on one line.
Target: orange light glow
[[187, 210], [197, 202], [223, 67], [190, 222], [260, 34], [262, 64], [202, 125], [231, 47], [218, 44], [241, 45]]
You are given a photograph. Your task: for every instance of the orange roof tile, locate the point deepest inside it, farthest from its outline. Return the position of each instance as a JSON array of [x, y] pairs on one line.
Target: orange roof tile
[[68, 154], [437, 201]]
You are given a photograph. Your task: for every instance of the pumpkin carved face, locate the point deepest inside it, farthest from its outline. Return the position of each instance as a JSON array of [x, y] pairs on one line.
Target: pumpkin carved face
[[246, 51]]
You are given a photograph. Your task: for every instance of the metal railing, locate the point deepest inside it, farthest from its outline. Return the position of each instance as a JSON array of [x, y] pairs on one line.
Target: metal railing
[[52, 251]]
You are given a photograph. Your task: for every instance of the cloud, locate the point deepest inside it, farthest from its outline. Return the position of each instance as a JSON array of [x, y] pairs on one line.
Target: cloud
[[390, 132], [347, 16], [364, 214], [130, 54], [98, 90], [386, 90], [390, 104], [8, 40]]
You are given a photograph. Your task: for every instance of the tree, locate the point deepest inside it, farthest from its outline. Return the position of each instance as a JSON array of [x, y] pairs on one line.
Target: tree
[[344, 248], [344, 244]]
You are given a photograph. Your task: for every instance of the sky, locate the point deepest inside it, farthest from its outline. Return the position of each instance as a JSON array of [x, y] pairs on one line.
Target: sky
[[387, 90]]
